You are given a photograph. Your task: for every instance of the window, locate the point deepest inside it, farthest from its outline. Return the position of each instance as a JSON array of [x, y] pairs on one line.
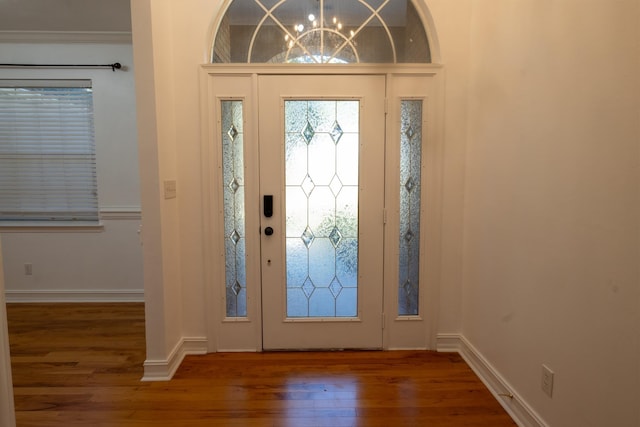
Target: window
[[321, 31], [47, 152], [410, 201], [234, 216]]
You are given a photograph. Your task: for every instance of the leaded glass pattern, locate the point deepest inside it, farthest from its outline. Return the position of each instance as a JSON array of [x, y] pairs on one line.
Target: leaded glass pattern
[[321, 161], [234, 208], [321, 32], [410, 179]]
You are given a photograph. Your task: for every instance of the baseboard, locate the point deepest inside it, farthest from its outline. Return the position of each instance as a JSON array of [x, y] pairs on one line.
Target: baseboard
[[515, 406], [163, 370], [46, 296]]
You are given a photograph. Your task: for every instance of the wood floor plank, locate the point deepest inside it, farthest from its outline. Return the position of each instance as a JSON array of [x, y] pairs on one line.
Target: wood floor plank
[[81, 364]]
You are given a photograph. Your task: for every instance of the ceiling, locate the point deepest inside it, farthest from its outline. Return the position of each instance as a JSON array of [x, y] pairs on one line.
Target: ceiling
[[65, 15]]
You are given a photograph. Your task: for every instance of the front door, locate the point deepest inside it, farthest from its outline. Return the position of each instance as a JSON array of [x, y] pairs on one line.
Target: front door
[[306, 175], [321, 184]]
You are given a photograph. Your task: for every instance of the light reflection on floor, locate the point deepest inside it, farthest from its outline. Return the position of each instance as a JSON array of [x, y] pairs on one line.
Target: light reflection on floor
[[321, 400]]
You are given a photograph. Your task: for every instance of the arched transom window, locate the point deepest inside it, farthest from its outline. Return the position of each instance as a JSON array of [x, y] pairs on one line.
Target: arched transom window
[[321, 31]]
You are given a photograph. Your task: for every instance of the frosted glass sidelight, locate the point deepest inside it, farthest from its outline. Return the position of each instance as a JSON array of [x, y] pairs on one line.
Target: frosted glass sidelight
[[234, 211], [321, 164], [410, 179], [321, 32]]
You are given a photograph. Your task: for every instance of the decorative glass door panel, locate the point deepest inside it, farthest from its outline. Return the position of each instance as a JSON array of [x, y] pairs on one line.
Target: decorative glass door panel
[[321, 153]]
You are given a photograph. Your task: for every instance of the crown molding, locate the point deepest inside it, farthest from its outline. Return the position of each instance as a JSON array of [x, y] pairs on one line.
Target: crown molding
[[107, 37]]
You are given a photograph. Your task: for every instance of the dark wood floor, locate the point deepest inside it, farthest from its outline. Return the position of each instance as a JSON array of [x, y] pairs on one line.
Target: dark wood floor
[[81, 364]]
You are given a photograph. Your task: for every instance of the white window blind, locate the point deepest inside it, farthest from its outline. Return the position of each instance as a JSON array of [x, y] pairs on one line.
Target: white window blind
[[47, 151]]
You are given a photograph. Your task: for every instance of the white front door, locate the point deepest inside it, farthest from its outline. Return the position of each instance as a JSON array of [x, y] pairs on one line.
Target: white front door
[[321, 150]]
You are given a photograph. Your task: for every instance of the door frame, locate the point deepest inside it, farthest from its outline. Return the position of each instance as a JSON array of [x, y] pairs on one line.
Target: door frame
[[240, 81]]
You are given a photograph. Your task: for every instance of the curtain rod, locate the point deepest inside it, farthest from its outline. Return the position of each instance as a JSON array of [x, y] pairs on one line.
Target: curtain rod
[[115, 66]]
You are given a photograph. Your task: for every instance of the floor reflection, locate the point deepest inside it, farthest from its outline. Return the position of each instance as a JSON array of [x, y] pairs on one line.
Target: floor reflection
[[323, 400]]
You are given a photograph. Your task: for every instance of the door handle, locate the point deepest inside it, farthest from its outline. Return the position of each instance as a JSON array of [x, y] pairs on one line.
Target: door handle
[[267, 205]]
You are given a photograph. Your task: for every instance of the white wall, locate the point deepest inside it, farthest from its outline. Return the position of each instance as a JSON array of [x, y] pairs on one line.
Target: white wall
[[452, 25], [7, 414], [552, 204], [157, 144], [104, 265]]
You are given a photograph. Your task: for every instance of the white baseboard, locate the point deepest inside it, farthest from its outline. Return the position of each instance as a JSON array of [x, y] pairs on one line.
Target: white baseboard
[[515, 406], [163, 370], [46, 296]]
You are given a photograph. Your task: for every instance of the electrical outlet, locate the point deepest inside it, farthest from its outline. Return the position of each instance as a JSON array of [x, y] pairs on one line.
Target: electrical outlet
[[547, 380], [28, 269]]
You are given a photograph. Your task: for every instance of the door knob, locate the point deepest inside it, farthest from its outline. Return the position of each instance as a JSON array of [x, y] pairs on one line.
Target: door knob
[[268, 231]]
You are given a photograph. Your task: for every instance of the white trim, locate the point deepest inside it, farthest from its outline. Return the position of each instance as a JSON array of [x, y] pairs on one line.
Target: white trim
[[107, 37], [51, 227], [163, 370], [7, 413], [108, 213], [321, 69], [120, 212], [448, 343], [32, 296], [514, 404]]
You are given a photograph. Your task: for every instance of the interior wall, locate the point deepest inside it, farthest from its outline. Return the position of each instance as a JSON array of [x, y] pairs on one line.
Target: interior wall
[[7, 413], [551, 253], [101, 265], [452, 25]]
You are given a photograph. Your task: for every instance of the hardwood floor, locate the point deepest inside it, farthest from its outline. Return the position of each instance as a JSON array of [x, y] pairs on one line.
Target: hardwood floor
[[81, 364]]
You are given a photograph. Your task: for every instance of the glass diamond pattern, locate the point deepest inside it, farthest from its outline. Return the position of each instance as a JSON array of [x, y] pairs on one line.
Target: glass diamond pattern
[[233, 132], [407, 287], [233, 176], [409, 236], [335, 237], [308, 185], [308, 132], [335, 185], [234, 185], [321, 210], [235, 237], [308, 287], [336, 132], [307, 237], [236, 288], [335, 287], [409, 185], [410, 133]]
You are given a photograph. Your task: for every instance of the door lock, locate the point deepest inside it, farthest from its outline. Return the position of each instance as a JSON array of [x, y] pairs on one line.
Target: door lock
[[268, 231], [267, 206]]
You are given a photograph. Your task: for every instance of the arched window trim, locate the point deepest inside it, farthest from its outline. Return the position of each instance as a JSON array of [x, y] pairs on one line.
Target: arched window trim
[[420, 6]]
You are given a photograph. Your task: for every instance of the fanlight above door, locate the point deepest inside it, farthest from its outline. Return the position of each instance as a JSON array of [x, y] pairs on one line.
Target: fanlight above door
[[320, 32]]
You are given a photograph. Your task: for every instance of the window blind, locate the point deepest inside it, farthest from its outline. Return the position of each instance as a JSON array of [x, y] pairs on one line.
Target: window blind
[[47, 151]]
